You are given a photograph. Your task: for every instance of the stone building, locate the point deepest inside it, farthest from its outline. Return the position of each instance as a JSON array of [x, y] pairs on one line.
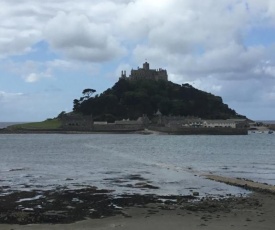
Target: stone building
[[229, 123], [219, 124], [72, 121], [144, 121], [146, 73], [179, 121]]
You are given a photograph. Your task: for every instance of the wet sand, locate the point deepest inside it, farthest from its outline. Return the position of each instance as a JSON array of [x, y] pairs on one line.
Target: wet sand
[[257, 211]]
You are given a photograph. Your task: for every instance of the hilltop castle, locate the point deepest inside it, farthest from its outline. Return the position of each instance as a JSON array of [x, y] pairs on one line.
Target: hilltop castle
[[146, 73]]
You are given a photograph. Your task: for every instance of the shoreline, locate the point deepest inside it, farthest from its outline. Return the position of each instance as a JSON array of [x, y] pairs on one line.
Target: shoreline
[[93, 208], [186, 131], [40, 131]]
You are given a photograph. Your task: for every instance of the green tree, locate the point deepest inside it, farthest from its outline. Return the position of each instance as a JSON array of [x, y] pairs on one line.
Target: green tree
[[76, 105], [60, 115], [87, 93], [131, 99]]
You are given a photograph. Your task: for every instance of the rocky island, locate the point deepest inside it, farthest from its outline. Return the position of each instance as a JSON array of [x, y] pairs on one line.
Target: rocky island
[[146, 100]]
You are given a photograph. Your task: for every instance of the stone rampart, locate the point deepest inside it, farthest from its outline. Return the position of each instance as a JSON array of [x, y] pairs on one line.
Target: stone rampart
[[118, 127], [199, 131]]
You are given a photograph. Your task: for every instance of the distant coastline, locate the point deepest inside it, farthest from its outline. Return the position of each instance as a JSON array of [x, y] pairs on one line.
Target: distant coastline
[[266, 121]]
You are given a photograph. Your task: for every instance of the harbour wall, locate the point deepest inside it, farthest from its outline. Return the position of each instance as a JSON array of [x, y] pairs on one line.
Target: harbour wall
[[117, 127], [199, 131]]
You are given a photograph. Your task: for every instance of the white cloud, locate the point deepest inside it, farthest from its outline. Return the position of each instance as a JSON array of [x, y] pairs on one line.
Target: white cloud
[[18, 28], [82, 39], [265, 69], [5, 96], [29, 71], [34, 77], [63, 64]]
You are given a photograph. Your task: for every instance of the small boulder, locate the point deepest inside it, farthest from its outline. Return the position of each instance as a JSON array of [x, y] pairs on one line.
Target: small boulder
[[196, 193]]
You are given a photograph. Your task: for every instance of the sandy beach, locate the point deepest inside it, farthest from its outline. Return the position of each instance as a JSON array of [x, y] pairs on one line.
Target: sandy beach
[[256, 211]]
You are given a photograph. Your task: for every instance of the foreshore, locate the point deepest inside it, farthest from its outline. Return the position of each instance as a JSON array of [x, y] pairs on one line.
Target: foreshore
[[93, 208]]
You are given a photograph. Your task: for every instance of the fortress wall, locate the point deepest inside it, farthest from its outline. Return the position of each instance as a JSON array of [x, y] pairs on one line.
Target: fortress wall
[[199, 131], [117, 127], [77, 125]]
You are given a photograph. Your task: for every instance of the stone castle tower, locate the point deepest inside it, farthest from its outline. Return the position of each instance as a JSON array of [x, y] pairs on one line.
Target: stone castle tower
[[146, 73]]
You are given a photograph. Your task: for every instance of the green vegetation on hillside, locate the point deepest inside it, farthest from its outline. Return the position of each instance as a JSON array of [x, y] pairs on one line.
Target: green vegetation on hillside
[[47, 125], [132, 99]]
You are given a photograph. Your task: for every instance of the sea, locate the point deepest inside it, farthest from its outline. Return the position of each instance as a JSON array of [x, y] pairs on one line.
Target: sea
[[123, 163]]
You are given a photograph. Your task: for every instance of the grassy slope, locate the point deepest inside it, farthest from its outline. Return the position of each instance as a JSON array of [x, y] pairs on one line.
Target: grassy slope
[[47, 124]]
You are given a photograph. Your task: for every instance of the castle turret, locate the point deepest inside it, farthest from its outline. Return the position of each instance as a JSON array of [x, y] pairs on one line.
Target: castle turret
[[123, 75], [146, 66], [146, 73]]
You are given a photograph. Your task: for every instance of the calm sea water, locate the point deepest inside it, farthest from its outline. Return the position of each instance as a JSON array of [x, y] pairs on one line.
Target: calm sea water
[[173, 163]]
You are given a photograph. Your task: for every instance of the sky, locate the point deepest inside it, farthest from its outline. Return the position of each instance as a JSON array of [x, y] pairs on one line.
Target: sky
[[51, 50]]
